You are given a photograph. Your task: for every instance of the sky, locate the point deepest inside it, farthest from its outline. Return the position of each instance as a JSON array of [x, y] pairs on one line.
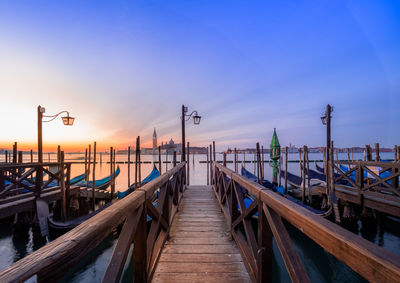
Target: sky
[[123, 68]]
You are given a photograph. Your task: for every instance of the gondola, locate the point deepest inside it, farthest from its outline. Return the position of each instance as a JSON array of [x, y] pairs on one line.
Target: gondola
[[70, 224], [281, 191], [101, 184], [153, 174]]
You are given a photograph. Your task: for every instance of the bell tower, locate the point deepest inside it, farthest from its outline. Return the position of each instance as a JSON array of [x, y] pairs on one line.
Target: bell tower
[[154, 139]]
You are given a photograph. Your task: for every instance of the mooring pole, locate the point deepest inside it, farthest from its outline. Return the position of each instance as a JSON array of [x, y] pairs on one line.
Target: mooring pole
[[94, 177], [183, 134], [129, 166], [187, 165]]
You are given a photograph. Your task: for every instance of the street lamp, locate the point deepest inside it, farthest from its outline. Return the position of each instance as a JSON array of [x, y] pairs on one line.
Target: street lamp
[[67, 120], [186, 117]]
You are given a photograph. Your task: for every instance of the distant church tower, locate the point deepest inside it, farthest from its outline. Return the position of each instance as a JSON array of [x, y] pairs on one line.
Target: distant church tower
[[154, 139]]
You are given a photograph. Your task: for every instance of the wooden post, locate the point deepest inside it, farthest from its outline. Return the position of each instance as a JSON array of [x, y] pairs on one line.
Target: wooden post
[[6, 156], [235, 160], [129, 166], [48, 154], [86, 157], [286, 166], [300, 165], [111, 170], [140, 251], [58, 159], [211, 160], [15, 147], [262, 163], [139, 164], [258, 163], [193, 158], [265, 245], [348, 157], [308, 167], [113, 179], [224, 159], [280, 171], [174, 159], [208, 168], [94, 177], [31, 156], [377, 156], [369, 155], [244, 158], [159, 159], [395, 154], [63, 195], [214, 154], [88, 168], [303, 184], [187, 166], [101, 157], [324, 157], [136, 163]]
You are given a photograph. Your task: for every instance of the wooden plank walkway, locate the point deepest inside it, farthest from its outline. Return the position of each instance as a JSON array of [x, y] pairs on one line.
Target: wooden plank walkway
[[199, 249]]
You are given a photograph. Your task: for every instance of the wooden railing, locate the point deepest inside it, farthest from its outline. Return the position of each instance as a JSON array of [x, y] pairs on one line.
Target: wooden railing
[[30, 176], [375, 182], [365, 186], [255, 244], [52, 260]]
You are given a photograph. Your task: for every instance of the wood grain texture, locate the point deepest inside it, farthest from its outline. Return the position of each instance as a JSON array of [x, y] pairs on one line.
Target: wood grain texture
[[199, 248]]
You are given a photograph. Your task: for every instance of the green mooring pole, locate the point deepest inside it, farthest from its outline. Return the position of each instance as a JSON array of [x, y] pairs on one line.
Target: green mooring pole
[[275, 155]]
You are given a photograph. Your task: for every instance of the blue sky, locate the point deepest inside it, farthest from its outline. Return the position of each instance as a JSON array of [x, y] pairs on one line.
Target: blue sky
[[124, 67]]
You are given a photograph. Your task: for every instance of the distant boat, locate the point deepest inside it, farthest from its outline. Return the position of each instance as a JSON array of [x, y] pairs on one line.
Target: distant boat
[[153, 175], [280, 190], [101, 184]]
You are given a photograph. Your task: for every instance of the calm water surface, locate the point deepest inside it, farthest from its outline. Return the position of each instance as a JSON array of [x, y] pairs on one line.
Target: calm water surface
[[320, 265]]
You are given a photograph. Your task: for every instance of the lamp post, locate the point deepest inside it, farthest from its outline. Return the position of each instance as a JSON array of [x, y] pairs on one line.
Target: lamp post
[[326, 120], [185, 117], [67, 120]]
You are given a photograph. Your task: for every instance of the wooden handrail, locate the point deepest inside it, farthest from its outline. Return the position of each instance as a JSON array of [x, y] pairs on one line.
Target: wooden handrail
[[369, 260], [56, 257]]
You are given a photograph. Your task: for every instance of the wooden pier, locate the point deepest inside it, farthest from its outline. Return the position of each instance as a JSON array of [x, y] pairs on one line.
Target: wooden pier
[[200, 248], [204, 234]]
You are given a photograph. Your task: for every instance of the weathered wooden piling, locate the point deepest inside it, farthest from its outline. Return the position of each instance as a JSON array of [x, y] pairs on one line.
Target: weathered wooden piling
[[208, 168], [303, 169], [159, 159], [94, 176], [377, 156], [31, 156], [174, 159], [63, 194], [286, 166], [138, 151], [308, 167], [224, 158], [187, 164], [113, 174], [262, 163], [15, 148], [88, 168], [214, 154], [258, 163], [129, 166], [6, 156], [111, 170], [235, 160]]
